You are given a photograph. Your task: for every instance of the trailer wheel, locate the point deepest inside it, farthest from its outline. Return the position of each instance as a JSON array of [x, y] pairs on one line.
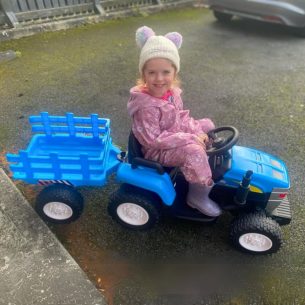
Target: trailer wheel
[[256, 233], [59, 203], [134, 208]]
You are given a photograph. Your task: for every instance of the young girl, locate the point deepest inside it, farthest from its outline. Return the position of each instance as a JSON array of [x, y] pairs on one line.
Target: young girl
[[165, 131]]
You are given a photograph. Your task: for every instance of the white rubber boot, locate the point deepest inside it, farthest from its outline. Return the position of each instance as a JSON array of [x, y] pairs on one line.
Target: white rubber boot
[[198, 198]]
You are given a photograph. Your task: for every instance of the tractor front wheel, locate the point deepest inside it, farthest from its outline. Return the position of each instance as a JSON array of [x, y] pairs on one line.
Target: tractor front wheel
[[256, 233]]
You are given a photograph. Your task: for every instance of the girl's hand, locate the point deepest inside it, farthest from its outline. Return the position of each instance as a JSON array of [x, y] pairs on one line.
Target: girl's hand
[[203, 140]]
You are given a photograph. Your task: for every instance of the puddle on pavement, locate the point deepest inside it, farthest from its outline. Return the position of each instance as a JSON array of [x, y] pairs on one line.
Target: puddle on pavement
[[102, 267]]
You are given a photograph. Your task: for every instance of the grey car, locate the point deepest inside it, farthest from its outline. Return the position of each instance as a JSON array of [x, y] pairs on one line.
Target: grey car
[[290, 12]]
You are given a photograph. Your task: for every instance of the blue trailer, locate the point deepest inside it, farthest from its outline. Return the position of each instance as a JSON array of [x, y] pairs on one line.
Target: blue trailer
[[69, 151]]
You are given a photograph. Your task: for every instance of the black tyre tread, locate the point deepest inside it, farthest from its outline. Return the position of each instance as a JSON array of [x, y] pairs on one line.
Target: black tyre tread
[[62, 193], [256, 222], [146, 199], [300, 32]]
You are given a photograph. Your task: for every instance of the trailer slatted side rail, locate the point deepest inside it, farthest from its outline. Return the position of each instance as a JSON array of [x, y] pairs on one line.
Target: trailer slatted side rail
[[71, 125], [77, 170]]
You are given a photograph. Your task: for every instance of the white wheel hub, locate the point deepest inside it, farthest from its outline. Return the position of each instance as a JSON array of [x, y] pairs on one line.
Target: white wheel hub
[[58, 210], [132, 214], [255, 242]]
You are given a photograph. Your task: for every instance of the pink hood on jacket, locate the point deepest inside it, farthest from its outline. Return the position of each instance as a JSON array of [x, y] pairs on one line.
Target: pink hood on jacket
[[139, 100]]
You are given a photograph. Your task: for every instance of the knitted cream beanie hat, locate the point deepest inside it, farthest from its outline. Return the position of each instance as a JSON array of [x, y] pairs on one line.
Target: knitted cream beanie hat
[[153, 46]]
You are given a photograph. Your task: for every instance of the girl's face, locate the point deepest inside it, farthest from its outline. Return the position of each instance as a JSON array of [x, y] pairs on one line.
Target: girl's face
[[158, 75]]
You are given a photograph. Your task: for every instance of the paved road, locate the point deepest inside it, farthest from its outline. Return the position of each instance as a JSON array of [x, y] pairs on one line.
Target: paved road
[[245, 74]]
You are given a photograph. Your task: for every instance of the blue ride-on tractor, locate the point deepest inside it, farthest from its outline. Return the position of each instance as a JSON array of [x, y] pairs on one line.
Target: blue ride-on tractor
[[70, 151]]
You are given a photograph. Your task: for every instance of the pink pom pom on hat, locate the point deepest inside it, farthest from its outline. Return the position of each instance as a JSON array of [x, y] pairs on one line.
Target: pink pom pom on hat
[[153, 46]]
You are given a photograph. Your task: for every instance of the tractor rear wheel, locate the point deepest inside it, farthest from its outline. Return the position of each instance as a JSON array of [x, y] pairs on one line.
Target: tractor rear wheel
[[134, 208]]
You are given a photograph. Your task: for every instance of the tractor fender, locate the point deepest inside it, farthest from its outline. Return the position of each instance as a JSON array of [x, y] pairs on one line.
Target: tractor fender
[[148, 179]]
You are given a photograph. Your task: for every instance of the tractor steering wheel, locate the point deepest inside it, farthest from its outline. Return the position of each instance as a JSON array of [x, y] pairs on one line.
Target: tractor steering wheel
[[222, 144]]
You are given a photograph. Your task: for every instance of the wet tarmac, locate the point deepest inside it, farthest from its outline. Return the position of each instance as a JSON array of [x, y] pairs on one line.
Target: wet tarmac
[[245, 74]]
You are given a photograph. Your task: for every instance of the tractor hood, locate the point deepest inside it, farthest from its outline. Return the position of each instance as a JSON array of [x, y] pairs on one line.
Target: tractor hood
[[268, 171]]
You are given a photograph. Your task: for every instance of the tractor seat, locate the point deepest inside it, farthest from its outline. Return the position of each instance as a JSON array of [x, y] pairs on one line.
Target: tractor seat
[[136, 157]]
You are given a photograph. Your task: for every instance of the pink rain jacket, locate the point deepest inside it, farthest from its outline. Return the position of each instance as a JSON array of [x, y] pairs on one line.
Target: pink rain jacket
[[167, 133]]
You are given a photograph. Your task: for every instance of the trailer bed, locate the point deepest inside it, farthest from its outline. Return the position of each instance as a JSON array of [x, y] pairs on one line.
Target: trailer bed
[[66, 146]]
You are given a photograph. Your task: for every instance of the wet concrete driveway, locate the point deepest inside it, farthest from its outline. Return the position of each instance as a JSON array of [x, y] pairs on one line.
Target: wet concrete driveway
[[245, 74]]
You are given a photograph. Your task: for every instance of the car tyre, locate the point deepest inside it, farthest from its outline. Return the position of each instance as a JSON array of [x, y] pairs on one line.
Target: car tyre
[[59, 203], [134, 208], [222, 17], [256, 233], [300, 32]]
